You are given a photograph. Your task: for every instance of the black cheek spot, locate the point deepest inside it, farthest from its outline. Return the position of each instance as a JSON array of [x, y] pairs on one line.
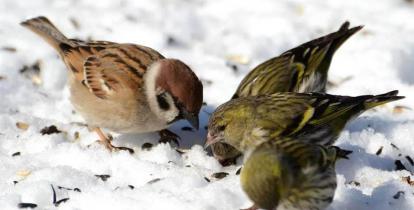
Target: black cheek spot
[[162, 102]]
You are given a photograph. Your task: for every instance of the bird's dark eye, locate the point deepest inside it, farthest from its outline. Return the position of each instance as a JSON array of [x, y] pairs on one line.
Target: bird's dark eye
[[162, 102], [221, 128]]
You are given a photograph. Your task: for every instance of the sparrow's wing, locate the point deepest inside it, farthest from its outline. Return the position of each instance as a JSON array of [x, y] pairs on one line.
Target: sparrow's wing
[[301, 69], [118, 70]]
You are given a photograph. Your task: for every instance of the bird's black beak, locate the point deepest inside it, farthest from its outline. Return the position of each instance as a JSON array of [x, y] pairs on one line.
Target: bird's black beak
[[192, 118]]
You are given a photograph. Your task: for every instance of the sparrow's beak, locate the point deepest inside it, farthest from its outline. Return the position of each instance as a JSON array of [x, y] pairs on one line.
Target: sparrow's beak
[[211, 140], [192, 118]]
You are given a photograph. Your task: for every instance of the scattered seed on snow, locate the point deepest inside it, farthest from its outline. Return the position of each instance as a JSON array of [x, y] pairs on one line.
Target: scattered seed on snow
[[103, 177], [49, 130], [22, 126], [15, 154], [379, 150], [219, 175], [27, 205]]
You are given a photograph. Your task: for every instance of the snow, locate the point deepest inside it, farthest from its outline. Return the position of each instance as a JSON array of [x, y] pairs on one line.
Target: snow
[[203, 34]]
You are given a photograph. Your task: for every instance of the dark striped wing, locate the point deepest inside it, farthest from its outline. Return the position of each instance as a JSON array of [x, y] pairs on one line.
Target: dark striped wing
[[301, 69], [316, 57], [305, 154], [313, 117], [274, 75], [283, 114]]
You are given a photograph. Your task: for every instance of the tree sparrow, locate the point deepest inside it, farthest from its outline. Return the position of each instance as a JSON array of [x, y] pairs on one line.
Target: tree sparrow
[[127, 88]]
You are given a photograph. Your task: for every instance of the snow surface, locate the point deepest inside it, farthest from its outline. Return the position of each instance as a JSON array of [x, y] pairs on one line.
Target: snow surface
[[204, 34]]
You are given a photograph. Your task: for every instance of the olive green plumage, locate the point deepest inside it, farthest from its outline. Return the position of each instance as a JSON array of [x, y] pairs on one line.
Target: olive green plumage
[[291, 175], [301, 69], [316, 118]]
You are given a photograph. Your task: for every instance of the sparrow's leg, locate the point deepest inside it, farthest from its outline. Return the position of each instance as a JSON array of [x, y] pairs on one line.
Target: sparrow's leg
[[254, 207], [168, 136], [106, 141]]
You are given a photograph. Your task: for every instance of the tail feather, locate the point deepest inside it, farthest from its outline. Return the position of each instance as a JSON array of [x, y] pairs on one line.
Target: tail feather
[[343, 34], [391, 93], [324, 47], [344, 26], [335, 39], [45, 29], [382, 99]]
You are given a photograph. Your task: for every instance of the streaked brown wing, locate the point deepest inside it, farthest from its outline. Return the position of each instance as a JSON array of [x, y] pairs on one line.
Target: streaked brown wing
[[130, 54], [118, 69]]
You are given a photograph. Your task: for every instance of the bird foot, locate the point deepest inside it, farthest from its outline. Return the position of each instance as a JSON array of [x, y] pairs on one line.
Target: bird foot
[[106, 141], [166, 136], [112, 148], [342, 153]]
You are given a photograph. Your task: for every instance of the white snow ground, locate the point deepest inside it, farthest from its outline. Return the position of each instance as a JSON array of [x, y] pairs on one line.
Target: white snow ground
[[203, 34]]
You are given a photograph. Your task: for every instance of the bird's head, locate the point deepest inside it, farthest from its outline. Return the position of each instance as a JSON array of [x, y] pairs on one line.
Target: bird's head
[[174, 91], [228, 123]]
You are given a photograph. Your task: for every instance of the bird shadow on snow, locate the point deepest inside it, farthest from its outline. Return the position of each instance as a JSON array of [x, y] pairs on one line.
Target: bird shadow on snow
[[188, 135], [358, 159], [379, 124]]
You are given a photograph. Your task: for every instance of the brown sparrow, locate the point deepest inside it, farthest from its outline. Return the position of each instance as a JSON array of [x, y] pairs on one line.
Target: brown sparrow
[[127, 88]]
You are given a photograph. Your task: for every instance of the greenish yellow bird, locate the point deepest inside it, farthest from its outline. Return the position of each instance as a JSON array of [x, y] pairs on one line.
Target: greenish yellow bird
[[291, 175], [316, 118], [301, 69]]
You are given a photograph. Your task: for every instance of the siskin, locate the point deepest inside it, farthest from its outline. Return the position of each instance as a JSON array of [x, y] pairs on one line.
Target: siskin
[[291, 175], [315, 118], [301, 69]]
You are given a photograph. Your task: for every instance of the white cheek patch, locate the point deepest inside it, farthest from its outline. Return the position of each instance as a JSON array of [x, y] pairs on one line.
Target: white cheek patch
[[150, 78], [152, 91]]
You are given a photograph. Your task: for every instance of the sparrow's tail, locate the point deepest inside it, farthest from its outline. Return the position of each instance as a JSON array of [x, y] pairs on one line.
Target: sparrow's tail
[[44, 28]]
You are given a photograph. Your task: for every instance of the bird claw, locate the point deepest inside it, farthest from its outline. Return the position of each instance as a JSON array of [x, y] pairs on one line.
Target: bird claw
[[113, 148], [131, 151], [342, 153], [106, 141], [167, 136]]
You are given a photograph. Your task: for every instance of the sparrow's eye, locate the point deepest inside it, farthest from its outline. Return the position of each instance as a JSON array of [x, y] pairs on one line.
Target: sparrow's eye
[[162, 102]]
